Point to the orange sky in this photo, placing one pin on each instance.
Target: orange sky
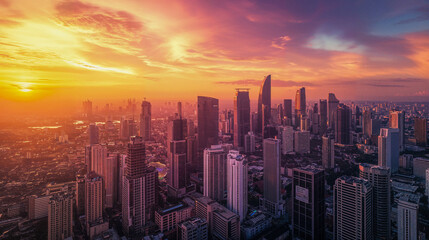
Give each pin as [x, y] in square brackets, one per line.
[52, 52]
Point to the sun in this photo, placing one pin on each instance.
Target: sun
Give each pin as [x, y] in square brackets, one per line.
[25, 90]
[24, 87]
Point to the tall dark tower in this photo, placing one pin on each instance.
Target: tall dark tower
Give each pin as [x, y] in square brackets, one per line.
[332, 108]
[241, 117]
[287, 104]
[300, 105]
[208, 122]
[323, 112]
[264, 104]
[343, 120]
[145, 120]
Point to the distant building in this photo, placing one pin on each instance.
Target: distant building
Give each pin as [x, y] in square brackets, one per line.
[328, 153]
[406, 161]
[323, 112]
[94, 204]
[287, 104]
[397, 120]
[193, 229]
[308, 203]
[80, 195]
[419, 167]
[208, 122]
[249, 143]
[60, 216]
[93, 134]
[145, 121]
[87, 108]
[388, 148]
[241, 117]
[300, 105]
[332, 108]
[287, 139]
[408, 206]
[420, 131]
[343, 121]
[353, 211]
[302, 142]
[237, 183]
[177, 172]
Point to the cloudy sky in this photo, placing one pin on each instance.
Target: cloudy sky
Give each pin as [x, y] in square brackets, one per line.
[62, 50]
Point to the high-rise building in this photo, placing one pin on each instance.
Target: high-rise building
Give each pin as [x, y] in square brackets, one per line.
[287, 139]
[237, 183]
[249, 143]
[80, 195]
[366, 123]
[87, 108]
[110, 176]
[397, 120]
[193, 229]
[408, 206]
[300, 105]
[215, 174]
[93, 134]
[302, 142]
[208, 122]
[379, 177]
[127, 128]
[287, 104]
[98, 158]
[323, 112]
[308, 207]
[353, 212]
[332, 109]
[328, 153]
[420, 131]
[94, 200]
[177, 172]
[241, 117]
[145, 121]
[38, 206]
[343, 121]
[388, 148]
[272, 176]
[60, 216]
[264, 104]
[315, 120]
[427, 182]
[139, 196]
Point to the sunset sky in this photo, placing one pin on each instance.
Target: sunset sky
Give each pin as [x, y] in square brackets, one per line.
[59, 51]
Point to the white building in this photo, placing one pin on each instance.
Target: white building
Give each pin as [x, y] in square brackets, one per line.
[388, 148]
[237, 183]
[408, 206]
[215, 186]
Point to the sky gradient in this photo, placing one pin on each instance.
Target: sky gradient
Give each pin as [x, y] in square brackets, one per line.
[55, 51]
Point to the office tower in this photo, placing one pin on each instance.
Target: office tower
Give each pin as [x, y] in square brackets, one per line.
[179, 109]
[139, 190]
[208, 122]
[38, 206]
[420, 131]
[93, 134]
[388, 148]
[191, 153]
[287, 139]
[427, 182]
[408, 206]
[332, 109]
[304, 123]
[287, 104]
[60, 216]
[315, 120]
[87, 108]
[127, 128]
[356, 116]
[167, 218]
[190, 128]
[177, 129]
[379, 177]
[88, 153]
[323, 112]
[241, 117]
[94, 200]
[80, 195]
[122, 166]
[343, 119]
[145, 121]
[353, 213]
[110, 176]
[366, 123]
[300, 105]
[302, 142]
[237, 183]
[98, 158]
[215, 184]
[177, 172]
[272, 176]
[264, 104]
[308, 207]
[328, 153]
[249, 143]
[397, 120]
[419, 166]
[254, 121]
[193, 229]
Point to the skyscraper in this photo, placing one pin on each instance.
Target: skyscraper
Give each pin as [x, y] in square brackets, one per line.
[420, 131]
[343, 120]
[139, 190]
[332, 109]
[379, 177]
[287, 139]
[87, 108]
[308, 207]
[215, 174]
[145, 121]
[249, 142]
[208, 122]
[177, 172]
[60, 216]
[272, 176]
[388, 148]
[93, 134]
[287, 104]
[366, 123]
[397, 120]
[98, 158]
[408, 206]
[323, 112]
[241, 117]
[328, 153]
[353, 213]
[80, 195]
[237, 183]
[300, 105]
[94, 199]
[264, 104]
[302, 142]
[110, 176]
